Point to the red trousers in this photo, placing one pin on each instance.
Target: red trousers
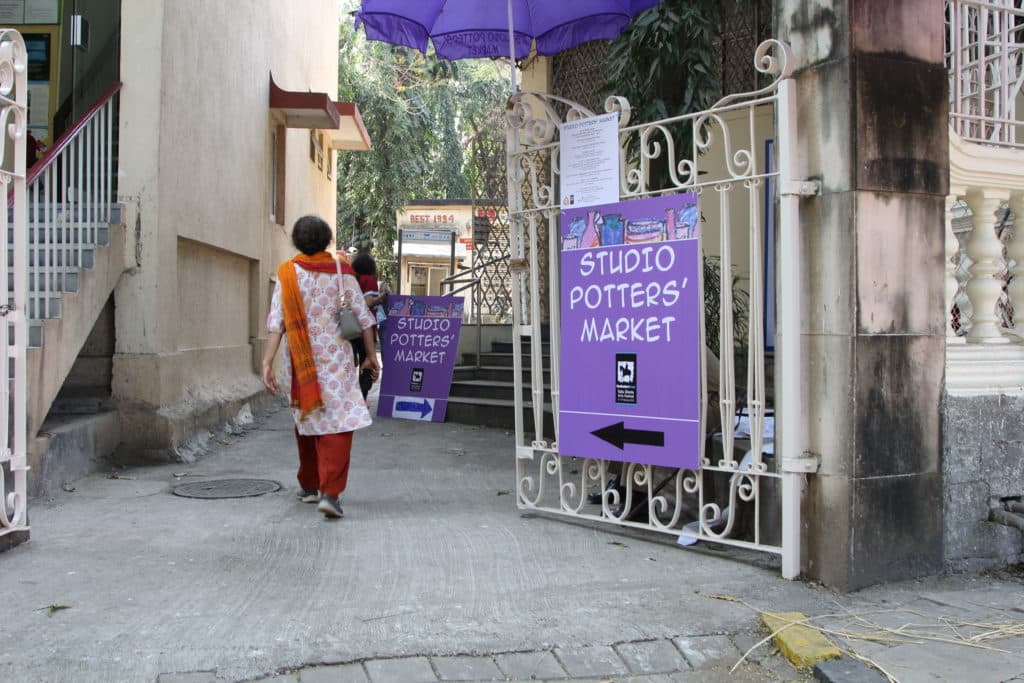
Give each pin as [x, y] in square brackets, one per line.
[323, 461]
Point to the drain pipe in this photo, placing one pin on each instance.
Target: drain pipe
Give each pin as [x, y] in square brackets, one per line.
[1011, 514]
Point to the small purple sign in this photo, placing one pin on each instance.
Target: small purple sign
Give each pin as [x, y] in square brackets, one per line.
[419, 342]
[631, 307]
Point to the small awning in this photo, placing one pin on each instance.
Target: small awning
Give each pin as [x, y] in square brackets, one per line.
[340, 121]
[432, 250]
[351, 133]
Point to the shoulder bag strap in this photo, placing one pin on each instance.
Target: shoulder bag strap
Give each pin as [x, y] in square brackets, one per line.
[342, 299]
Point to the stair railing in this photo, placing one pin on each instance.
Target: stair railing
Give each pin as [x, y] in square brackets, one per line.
[71, 192]
[476, 295]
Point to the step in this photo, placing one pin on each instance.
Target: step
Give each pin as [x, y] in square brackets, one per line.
[495, 372]
[43, 308]
[47, 308]
[482, 388]
[79, 406]
[83, 400]
[499, 359]
[35, 333]
[55, 257]
[62, 279]
[44, 210]
[488, 412]
[78, 444]
[98, 234]
[506, 347]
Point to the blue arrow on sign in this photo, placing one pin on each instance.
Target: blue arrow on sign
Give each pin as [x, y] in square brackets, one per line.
[413, 407]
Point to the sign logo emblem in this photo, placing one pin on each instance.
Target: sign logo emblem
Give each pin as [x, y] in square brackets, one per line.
[625, 378]
[416, 384]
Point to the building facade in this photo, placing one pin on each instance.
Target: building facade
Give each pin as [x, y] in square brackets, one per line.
[211, 129]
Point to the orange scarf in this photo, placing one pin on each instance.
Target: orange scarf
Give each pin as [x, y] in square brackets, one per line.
[305, 388]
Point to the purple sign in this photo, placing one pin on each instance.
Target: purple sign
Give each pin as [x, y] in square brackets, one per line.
[631, 307]
[418, 344]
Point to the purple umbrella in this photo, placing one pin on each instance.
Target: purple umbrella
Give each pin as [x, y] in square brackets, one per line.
[463, 29]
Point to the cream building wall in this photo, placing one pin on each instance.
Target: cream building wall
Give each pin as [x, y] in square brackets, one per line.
[195, 179]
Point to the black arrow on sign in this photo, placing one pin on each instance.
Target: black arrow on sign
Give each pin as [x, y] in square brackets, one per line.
[617, 435]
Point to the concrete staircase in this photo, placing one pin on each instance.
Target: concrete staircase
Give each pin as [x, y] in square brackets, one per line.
[485, 395]
[72, 273]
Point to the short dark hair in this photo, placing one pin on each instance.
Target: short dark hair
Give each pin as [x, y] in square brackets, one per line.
[364, 264]
[311, 235]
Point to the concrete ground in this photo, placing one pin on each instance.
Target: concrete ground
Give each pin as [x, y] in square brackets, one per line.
[433, 574]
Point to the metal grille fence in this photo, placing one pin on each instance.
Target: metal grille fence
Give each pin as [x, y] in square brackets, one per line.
[729, 499]
[985, 58]
[576, 75]
[495, 288]
[742, 28]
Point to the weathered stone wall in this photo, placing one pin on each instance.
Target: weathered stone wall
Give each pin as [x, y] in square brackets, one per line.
[982, 461]
[872, 114]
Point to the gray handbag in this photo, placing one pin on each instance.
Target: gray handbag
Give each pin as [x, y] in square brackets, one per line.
[345, 318]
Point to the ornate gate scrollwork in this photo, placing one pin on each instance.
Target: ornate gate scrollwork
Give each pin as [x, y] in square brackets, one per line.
[737, 496]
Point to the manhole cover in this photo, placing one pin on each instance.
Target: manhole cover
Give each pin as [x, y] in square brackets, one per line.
[226, 488]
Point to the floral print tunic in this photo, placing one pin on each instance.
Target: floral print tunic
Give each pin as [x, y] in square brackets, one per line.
[343, 407]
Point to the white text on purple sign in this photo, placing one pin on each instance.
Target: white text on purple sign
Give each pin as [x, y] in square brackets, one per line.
[619, 296]
[411, 338]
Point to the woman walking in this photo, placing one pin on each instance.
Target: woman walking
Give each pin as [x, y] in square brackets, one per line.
[326, 402]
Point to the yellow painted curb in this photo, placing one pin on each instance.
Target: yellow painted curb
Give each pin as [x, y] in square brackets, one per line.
[803, 645]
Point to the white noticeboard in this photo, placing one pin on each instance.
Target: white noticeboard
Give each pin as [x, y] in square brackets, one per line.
[589, 161]
[41, 12]
[12, 12]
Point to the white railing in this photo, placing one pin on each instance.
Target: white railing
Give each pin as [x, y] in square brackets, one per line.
[71, 195]
[706, 504]
[984, 269]
[14, 335]
[985, 57]
[984, 240]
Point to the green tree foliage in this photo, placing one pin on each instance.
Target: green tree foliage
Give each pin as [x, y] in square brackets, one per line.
[664, 64]
[484, 94]
[421, 114]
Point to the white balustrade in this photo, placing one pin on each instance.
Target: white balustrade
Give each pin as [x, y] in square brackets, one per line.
[951, 263]
[1015, 255]
[984, 51]
[986, 251]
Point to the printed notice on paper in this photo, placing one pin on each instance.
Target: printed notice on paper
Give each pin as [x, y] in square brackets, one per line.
[590, 161]
[41, 12]
[12, 12]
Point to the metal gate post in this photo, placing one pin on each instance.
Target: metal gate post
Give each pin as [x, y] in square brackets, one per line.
[516, 266]
[792, 421]
[13, 76]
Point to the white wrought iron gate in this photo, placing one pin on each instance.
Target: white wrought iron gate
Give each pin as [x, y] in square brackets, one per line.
[14, 337]
[743, 495]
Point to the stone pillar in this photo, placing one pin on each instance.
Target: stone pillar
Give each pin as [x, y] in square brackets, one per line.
[872, 113]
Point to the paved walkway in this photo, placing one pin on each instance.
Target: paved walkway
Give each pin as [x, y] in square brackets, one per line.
[433, 575]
